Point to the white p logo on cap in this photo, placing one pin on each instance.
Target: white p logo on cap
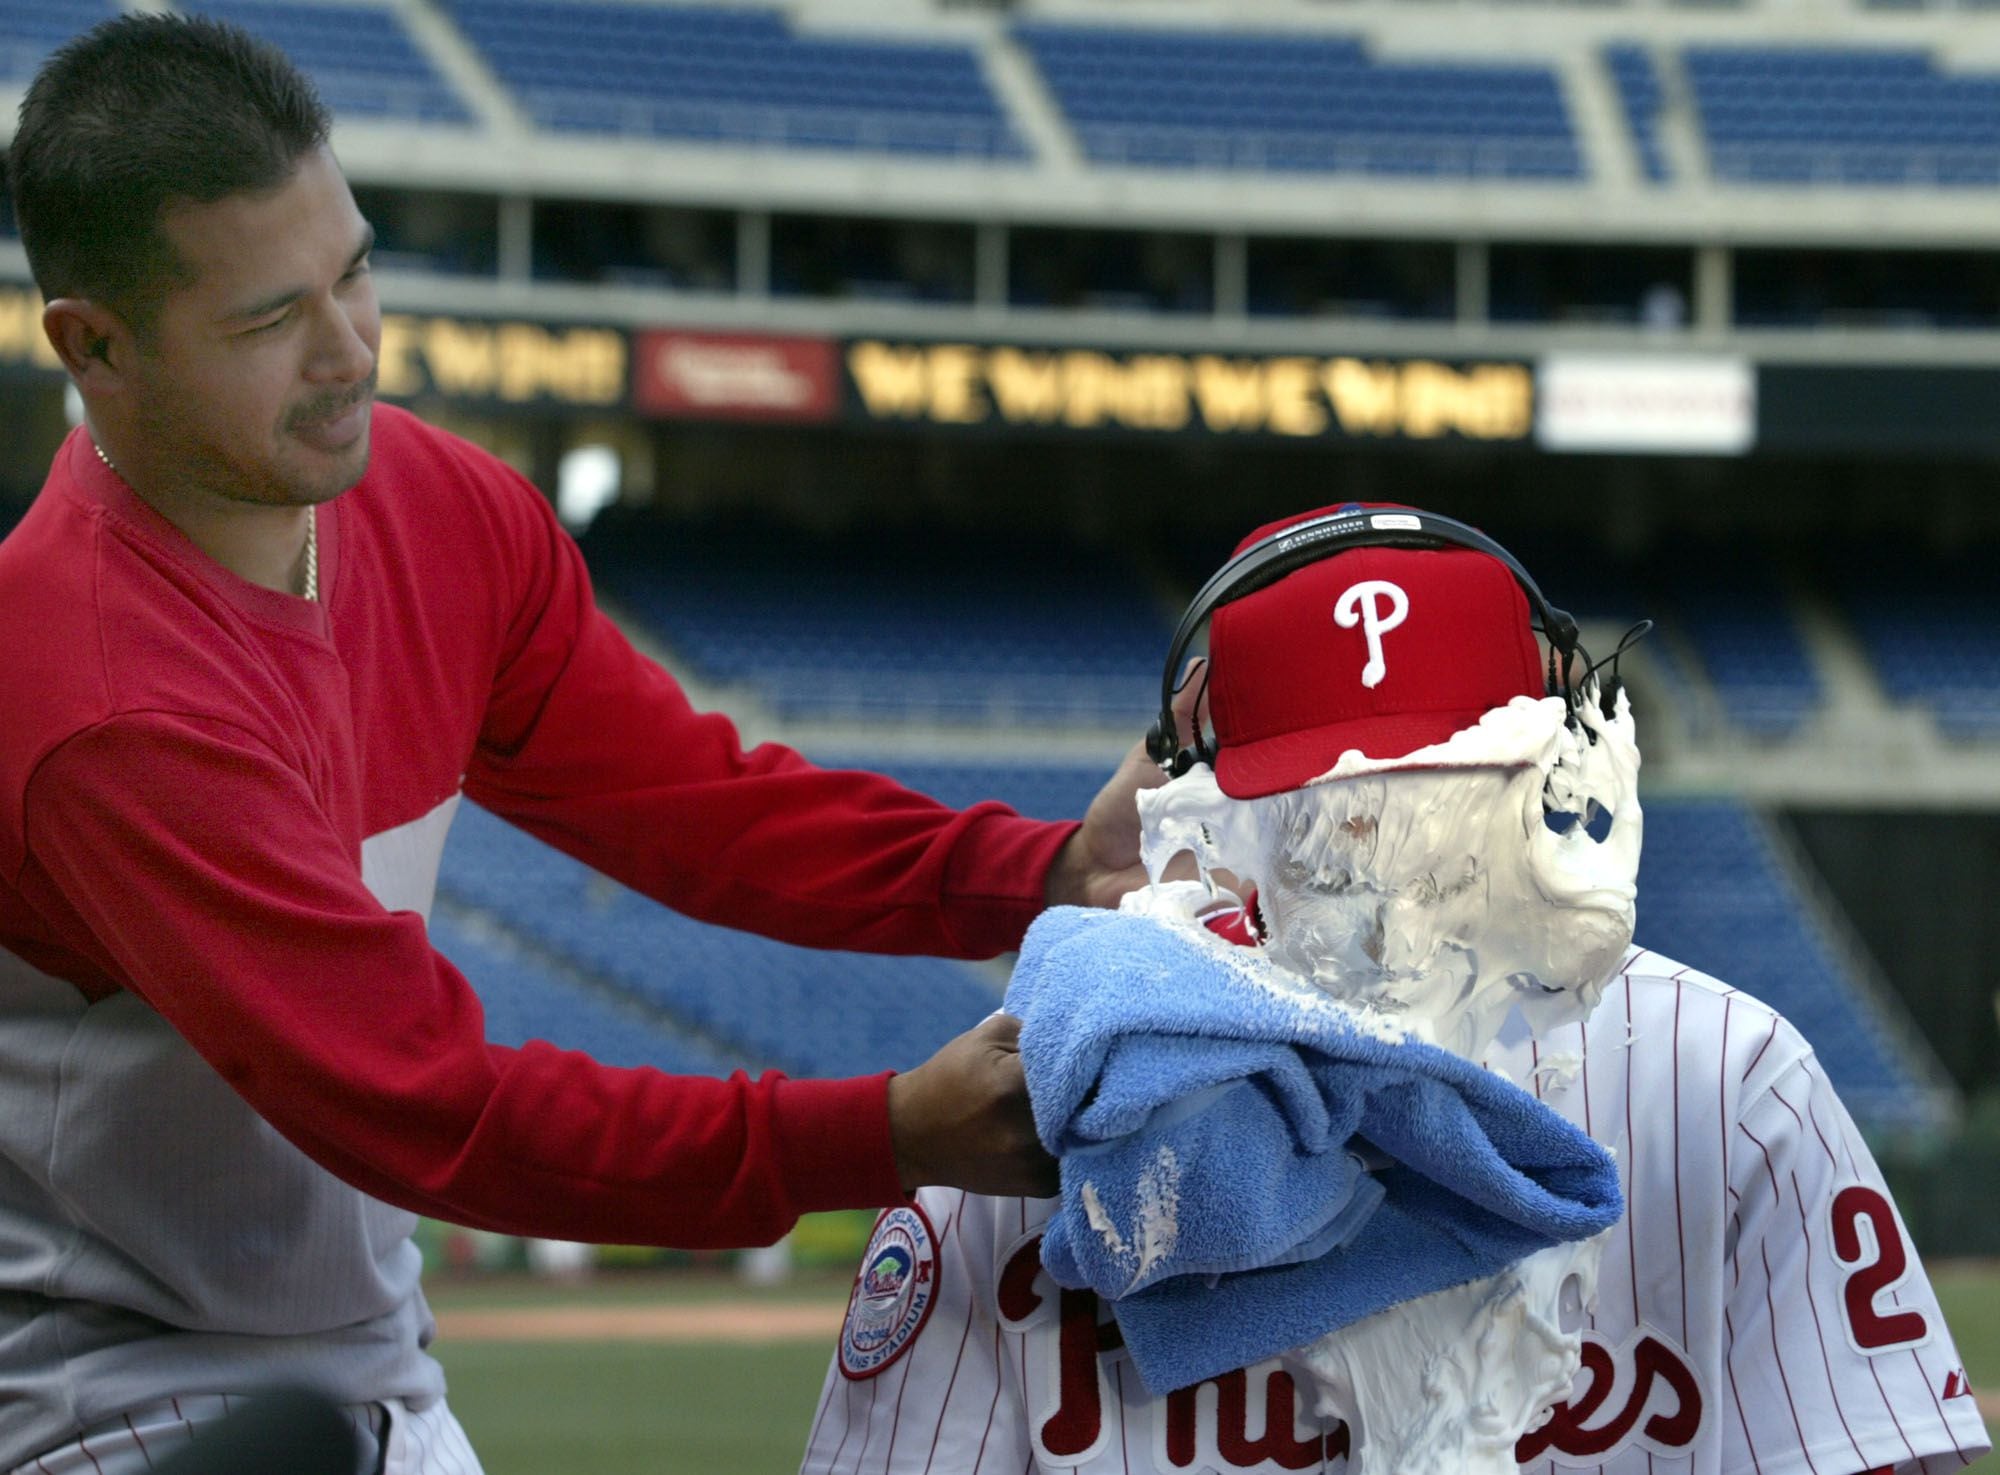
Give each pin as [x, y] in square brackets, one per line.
[1360, 605]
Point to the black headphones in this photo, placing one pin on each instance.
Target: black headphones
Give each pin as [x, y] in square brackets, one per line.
[1269, 559]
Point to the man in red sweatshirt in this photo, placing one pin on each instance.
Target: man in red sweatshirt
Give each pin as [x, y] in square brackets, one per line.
[262, 638]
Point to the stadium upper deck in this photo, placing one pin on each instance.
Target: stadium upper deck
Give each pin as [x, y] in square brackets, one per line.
[1749, 121]
[1377, 176]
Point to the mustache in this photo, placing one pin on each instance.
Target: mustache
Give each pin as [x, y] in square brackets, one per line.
[328, 407]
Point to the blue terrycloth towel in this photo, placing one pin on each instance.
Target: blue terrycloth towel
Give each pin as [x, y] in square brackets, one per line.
[1212, 1113]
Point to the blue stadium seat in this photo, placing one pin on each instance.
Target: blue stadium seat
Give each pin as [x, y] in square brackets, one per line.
[713, 74]
[1754, 657]
[1933, 643]
[765, 1003]
[359, 56]
[31, 29]
[525, 1000]
[825, 627]
[1844, 116]
[1172, 99]
[1723, 608]
[1713, 895]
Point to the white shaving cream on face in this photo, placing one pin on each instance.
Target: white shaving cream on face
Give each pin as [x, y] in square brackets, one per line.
[1430, 887]
[1425, 897]
[1445, 1384]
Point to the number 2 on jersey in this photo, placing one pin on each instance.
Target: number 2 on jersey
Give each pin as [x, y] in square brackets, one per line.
[1868, 1241]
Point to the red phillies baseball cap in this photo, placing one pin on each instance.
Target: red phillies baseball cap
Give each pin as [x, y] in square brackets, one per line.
[1384, 650]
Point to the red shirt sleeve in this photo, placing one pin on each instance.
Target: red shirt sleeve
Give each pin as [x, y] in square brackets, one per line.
[197, 867]
[596, 750]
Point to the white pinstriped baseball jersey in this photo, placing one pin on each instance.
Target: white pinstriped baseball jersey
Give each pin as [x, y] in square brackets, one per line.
[1759, 1310]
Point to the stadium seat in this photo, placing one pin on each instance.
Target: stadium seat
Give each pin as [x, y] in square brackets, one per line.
[837, 627]
[714, 74]
[1722, 607]
[744, 999]
[31, 29]
[1713, 895]
[1167, 99]
[358, 55]
[1934, 641]
[1844, 116]
[526, 999]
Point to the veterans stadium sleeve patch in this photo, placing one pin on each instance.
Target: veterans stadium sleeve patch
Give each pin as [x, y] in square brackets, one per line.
[893, 1293]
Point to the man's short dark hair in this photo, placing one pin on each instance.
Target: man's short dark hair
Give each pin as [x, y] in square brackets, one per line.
[139, 112]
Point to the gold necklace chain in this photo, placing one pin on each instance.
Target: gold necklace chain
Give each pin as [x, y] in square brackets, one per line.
[312, 532]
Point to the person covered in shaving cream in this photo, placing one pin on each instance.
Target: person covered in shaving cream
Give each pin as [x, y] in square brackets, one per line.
[1394, 817]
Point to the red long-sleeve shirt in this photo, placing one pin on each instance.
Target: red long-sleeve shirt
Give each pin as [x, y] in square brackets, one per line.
[190, 767]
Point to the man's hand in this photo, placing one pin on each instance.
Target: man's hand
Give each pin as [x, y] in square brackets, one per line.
[962, 1120]
[1100, 863]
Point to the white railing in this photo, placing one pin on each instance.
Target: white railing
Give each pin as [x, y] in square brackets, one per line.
[1775, 164]
[772, 126]
[1144, 145]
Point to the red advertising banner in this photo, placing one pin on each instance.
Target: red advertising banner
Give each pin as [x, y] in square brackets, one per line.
[735, 376]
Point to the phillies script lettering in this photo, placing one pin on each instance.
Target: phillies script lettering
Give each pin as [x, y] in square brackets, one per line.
[1661, 1410]
[1658, 1402]
[1207, 1425]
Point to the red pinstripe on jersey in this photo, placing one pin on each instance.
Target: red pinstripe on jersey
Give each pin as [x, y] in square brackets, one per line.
[1680, 1231]
[944, 1404]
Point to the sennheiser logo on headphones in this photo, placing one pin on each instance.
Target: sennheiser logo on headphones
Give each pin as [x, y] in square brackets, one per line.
[1360, 604]
[1317, 532]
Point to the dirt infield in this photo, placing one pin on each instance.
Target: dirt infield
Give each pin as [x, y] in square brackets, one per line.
[723, 1322]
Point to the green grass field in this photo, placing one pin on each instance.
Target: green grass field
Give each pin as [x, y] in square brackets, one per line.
[636, 1408]
[640, 1408]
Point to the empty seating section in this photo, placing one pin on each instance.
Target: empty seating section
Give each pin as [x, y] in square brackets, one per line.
[525, 1000]
[1638, 77]
[359, 56]
[1161, 98]
[1134, 95]
[751, 999]
[31, 29]
[1609, 596]
[1752, 653]
[735, 75]
[1935, 643]
[881, 625]
[1038, 790]
[1712, 895]
[1755, 660]
[1844, 116]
